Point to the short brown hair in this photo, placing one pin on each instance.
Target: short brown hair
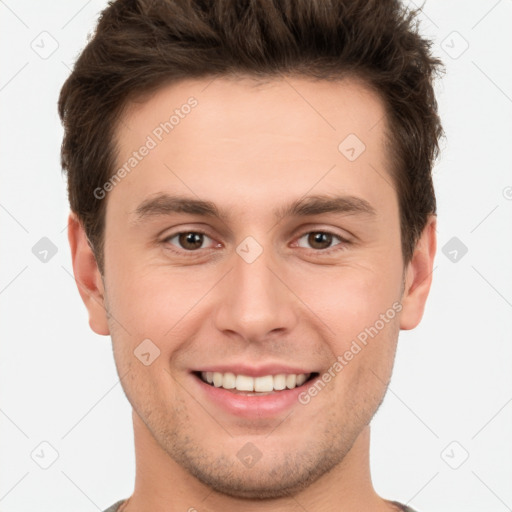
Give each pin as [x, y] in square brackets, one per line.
[141, 45]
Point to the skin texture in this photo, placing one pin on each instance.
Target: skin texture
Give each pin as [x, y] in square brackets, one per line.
[250, 148]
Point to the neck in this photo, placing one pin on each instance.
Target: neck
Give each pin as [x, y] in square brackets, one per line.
[162, 485]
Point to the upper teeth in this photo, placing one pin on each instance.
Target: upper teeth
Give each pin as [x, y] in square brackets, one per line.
[265, 383]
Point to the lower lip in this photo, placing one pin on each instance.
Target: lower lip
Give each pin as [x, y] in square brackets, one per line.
[253, 406]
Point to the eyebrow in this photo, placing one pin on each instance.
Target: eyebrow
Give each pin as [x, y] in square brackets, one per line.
[164, 204]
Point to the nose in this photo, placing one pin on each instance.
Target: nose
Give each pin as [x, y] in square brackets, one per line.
[254, 300]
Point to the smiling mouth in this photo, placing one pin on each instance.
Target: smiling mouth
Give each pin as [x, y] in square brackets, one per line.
[255, 386]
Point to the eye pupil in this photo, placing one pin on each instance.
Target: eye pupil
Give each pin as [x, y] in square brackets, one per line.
[194, 239]
[320, 238]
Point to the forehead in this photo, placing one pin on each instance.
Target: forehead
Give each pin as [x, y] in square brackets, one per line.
[249, 141]
[227, 103]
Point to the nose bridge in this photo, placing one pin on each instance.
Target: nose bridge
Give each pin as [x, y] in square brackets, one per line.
[254, 301]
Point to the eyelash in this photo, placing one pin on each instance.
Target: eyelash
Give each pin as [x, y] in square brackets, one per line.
[338, 247]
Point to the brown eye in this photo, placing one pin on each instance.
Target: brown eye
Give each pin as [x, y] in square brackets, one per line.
[188, 240]
[320, 240]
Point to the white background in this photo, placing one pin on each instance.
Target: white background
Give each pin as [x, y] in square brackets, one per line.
[453, 374]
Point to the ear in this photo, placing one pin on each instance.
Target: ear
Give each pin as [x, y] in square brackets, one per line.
[87, 276]
[418, 277]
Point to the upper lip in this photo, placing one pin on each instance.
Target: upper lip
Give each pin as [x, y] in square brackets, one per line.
[254, 371]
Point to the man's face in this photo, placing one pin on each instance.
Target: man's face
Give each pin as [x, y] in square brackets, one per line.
[254, 287]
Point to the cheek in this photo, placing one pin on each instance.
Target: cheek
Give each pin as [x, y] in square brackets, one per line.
[359, 310]
[151, 300]
[363, 363]
[348, 298]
